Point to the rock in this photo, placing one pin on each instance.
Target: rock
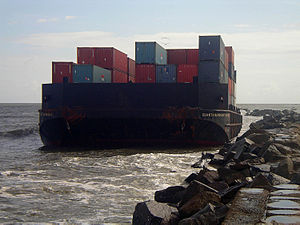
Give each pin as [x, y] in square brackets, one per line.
[219, 185]
[275, 179]
[260, 139]
[198, 202]
[296, 163]
[229, 175]
[218, 160]
[239, 165]
[285, 168]
[285, 150]
[208, 177]
[151, 212]
[228, 194]
[193, 189]
[190, 178]
[170, 195]
[207, 215]
[272, 154]
[295, 178]
[260, 181]
[255, 169]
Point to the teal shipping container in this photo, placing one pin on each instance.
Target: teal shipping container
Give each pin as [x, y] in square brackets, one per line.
[150, 53]
[211, 48]
[166, 73]
[90, 74]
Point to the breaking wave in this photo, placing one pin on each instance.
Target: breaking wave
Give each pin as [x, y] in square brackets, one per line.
[19, 132]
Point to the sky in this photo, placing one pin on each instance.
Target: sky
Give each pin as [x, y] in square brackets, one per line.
[265, 35]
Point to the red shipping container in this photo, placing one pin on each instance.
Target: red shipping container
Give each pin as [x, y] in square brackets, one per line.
[145, 73]
[119, 77]
[111, 58]
[192, 56]
[230, 53]
[176, 56]
[226, 61]
[61, 70]
[131, 67]
[185, 73]
[85, 55]
[229, 86]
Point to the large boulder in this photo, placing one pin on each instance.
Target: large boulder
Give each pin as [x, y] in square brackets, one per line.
[260, 139]
[152, 213]
[198, 202]
[271, 154]
[260, 181]
[285, 168]
[276, 179]
[170, 195]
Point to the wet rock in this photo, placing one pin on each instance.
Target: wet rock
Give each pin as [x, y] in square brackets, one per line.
[219, 185]
[190, 178]
[170, 195]
[230, 176]
[151, 212]
[208, 177]
[255, 169]
[218, 160]
[260, 181]
[260, 139]
[207, 216]
[239, 165]
[272, 154]
[193, 189]
[285, 168]
[198, 202]
[276, 179]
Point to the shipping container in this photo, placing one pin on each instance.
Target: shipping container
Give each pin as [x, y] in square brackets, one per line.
[192, 56]
[90, 74]
[145, 73]
[61, 70]
[85, 55]
[230, 53]
[119, 77]
[226, 61]
[186, 73]
[176, 56]
[211, 48]
[166, 73]
[131, 67]
[111, 58]
[212, 72]
[234, 76]
[150, 53]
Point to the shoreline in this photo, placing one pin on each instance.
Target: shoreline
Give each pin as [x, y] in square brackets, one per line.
[253, 168]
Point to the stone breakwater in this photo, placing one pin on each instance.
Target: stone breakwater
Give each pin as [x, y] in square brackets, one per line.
[253, 180]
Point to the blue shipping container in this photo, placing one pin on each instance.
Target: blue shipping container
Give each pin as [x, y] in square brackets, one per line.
[85, 73]
[231, 70]
[212, 72]
[150, 53]
[211, 48]
[166, 74]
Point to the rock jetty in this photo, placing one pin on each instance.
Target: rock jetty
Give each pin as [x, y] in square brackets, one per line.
[241, 184]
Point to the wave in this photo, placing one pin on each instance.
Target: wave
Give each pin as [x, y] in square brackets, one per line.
[20, 132]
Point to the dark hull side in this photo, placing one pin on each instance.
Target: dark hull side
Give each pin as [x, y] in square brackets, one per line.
[70, 117]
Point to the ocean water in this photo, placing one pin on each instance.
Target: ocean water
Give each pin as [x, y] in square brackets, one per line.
[93, 186]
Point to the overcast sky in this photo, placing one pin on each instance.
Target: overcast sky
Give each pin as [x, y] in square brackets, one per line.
[265, 35]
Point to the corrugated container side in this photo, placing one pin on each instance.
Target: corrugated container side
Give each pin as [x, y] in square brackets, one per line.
[211, 48]
[85, 55]
[212, 72]
[119, 77]
[131, 79]
[234, 76]
[176, 56]
[192, 56]
[61, 70]
[186, 73]
[83, 73]
[229, 86]
[111, 58]
[166, 73]
[226, 61]
[145, 73]
[150, 53]
[230, 53]
[130, 66]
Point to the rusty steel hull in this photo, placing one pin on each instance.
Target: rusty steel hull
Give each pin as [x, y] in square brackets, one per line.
[99, 119]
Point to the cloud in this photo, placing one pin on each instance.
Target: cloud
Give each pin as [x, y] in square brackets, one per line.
[70, 17]
[47, 20]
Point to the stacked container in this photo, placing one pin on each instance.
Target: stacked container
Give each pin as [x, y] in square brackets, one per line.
[108, 58]
[61, 70]
[232, 76]
[151, 64]
[212, 60]
[90, 74]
